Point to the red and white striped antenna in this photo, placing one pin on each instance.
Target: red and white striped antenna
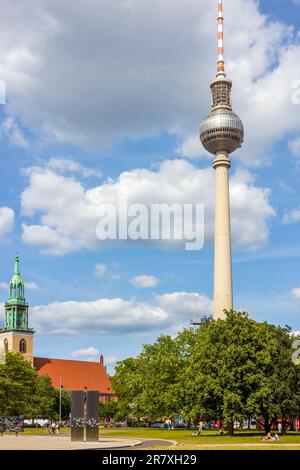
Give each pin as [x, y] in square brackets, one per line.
[221, 67]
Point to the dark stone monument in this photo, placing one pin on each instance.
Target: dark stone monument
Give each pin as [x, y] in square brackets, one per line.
[77, 416]
[85, 416]
[92, 414]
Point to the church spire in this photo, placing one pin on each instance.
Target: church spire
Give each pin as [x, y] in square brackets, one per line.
[16, 286]
[17, 265]
[16, 307]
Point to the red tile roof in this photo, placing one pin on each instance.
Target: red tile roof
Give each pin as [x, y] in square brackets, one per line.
[74, 375]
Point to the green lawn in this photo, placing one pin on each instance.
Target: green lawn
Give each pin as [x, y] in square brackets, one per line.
[37, 431]
[209, 438]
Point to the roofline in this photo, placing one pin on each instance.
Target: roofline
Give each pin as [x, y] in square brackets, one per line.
[68, 360]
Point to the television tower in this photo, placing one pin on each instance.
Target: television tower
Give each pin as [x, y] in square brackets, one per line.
[221, 133]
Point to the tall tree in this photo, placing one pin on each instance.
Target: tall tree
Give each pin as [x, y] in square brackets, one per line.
[17, 385]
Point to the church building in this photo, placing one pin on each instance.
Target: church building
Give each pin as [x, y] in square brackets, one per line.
[16, 336]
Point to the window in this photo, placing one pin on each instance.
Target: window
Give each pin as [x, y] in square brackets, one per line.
[22, 348]
[5, 345]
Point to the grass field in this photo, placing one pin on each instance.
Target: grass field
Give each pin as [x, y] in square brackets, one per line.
[209, 439]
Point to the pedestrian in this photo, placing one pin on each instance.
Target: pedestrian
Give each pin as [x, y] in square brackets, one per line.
[53, 426]
[48, 426]
[279, 427]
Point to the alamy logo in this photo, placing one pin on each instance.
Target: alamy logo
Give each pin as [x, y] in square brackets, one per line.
[296, 353]
[2, 92]
[156, 222]
[2, 356]
[296, 92]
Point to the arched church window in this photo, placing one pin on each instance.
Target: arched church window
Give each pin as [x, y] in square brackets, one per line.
[20, 290]
[22, 348]
[5, 345]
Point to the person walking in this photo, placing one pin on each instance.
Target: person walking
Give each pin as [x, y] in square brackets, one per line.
[48, 426]
[279, 427]
[53, 426]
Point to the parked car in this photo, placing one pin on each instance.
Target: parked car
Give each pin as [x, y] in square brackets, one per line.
[158, 424]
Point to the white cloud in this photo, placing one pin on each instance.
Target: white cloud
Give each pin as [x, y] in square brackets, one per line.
[87, 354]
[4, 285]
[102, 316]
[12, 132]
[296, 292]
[294, 147]
[68, 217]
[128, 82]
[100, 270]
[292, 216]
[7, 220]
[168, 313]
[144, 281]
[66, 165]
[31, 285]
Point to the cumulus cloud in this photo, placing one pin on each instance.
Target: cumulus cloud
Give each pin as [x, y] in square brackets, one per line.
[7, 220]
[168, 312]
[68, 213]
[31, 285]
[144, 281]
[87, 354]
[129, 82]
[292, 216]
[294, 147]
[67, 165]
[296, 292]
[11, 131]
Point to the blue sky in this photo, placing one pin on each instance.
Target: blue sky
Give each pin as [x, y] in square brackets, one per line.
[103, 99]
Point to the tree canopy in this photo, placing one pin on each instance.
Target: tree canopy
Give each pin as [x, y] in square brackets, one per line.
[23, 392]
[226, 369]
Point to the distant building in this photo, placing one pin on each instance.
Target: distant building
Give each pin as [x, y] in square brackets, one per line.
[16, 336]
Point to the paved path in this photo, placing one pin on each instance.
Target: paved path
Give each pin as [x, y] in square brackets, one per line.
[61, 442]
[149, 443]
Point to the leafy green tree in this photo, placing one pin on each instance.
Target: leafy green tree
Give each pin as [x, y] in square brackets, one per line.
[127, 385]
[65, 404]
[17, 385]
[227, 370]
[109, 410]
[159, 368]
[43, 402]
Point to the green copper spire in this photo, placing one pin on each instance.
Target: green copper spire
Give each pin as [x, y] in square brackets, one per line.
[16, 286]
[16, 308]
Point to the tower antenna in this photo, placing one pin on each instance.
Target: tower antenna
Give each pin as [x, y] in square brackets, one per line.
[221, 64]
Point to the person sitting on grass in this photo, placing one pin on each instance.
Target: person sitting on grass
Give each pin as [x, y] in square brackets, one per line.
[270, 437]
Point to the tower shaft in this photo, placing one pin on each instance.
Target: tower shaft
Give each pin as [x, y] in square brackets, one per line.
[223, 299]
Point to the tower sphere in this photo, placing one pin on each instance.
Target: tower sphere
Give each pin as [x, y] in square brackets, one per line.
[222, 130]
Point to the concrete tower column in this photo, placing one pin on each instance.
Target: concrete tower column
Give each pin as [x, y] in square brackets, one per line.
[223, 272]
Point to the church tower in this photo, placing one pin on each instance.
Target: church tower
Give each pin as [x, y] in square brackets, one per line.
[16, 336]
